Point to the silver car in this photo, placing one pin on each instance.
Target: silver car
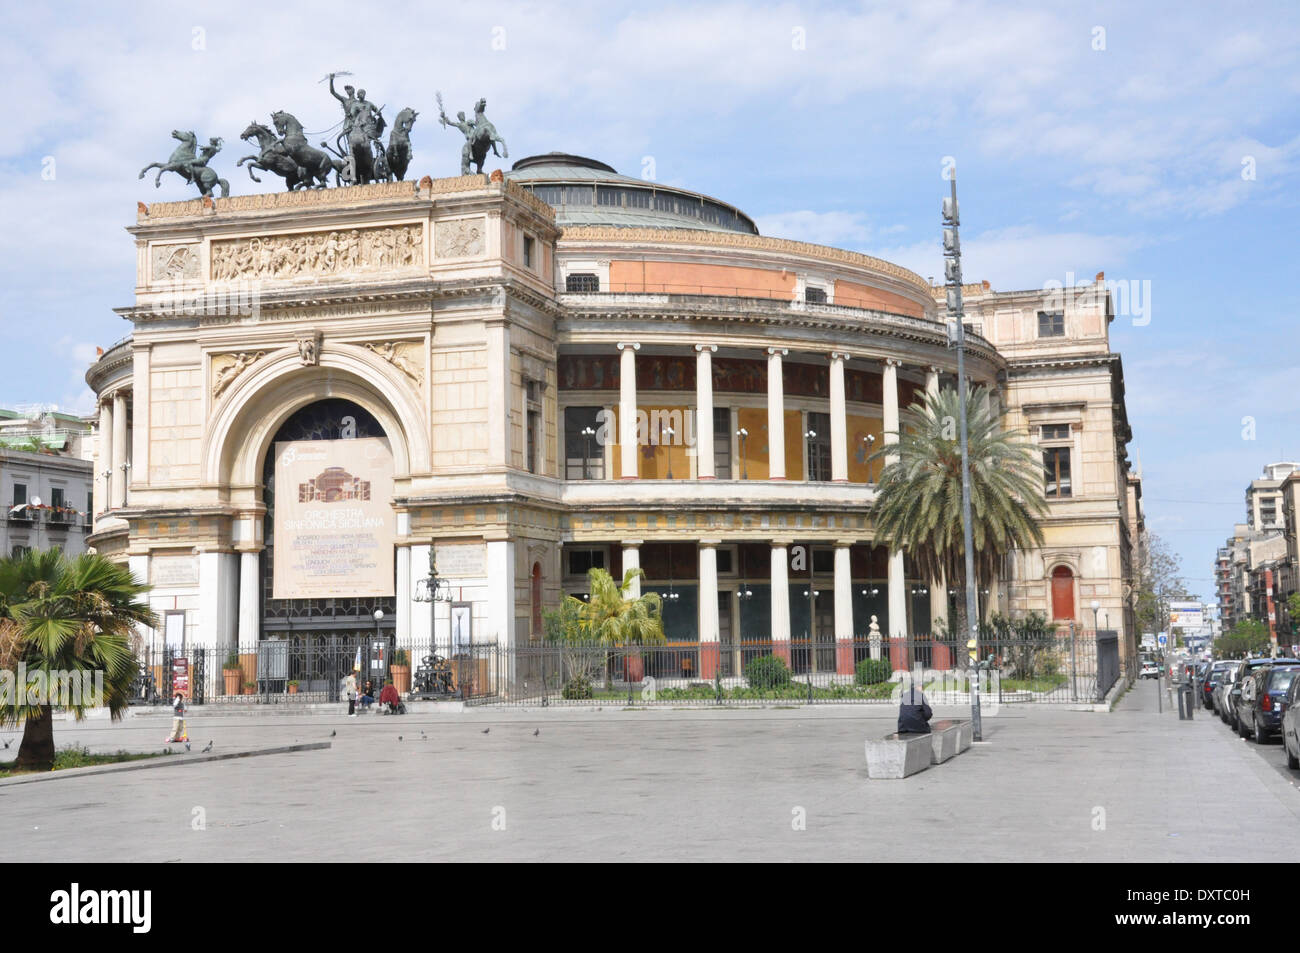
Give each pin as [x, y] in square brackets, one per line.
[1291, 726]
[1222, 702]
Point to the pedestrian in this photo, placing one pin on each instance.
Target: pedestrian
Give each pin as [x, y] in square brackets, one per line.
[914, 712]
[350, 688]
[179, 732]
[368, 695]
[390, 697]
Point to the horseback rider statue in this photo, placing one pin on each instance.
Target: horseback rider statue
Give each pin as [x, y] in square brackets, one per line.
[189, 166]
[480, 135]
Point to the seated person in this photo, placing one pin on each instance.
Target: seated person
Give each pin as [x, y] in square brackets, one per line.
[367, 695]
[914, 711]
[391, 698]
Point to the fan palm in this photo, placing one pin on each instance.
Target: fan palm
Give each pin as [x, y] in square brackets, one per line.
[918, 503]
[613, 616]
[66, 615]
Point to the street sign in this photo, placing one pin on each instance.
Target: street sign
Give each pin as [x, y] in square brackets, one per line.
[181, 676]
[1162, 639]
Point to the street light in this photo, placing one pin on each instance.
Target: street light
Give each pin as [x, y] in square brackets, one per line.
[952, 271]
[587, 434]
[670, 432]
[743, 434]
[813, 469]
[1095, 606]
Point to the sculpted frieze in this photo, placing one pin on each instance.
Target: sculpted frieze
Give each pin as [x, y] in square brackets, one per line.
[337, 252]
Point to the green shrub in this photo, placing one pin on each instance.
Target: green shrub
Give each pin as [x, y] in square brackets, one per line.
[401, 657]
[873, 671]
[577, 687]
[767, 671]
[231, 663]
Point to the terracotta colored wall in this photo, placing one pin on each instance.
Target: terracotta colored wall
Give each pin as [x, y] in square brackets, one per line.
[857, 295]
[754, 465]
[860, 471]
[690, 278]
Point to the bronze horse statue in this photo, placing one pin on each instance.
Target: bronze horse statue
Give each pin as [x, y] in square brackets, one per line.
[399, 143]
[191, 167]
[317, 164]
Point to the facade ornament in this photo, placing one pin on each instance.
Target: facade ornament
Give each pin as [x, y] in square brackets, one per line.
[873, 637]
[309, 348]
[287, 155]
[388, 351]
[318, 253]
[480, 135]
[191, 167]
[226, 375]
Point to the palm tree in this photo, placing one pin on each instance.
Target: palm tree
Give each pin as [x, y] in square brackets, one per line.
[612, 616]
[918, 503]
[66, 615]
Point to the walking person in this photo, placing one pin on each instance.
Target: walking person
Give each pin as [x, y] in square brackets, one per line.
[350, 689]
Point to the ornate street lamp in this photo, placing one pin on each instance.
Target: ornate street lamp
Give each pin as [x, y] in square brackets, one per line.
[587, 434]
[432, 590]
[743, 434]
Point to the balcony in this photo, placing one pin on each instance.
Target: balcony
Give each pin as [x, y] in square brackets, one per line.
[24, 515]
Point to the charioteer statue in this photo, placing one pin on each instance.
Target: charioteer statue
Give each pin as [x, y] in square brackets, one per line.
[480, 135]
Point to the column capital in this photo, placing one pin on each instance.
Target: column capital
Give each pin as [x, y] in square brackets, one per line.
[632, 543]
[892, 362]
[934, 369]
[845, 543]
[710, 543]
[778, 351]
[622, 345]
[711, 348]
[782, 542]
[841, 356]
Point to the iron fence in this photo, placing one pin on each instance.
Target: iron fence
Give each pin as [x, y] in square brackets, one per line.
[1069, 665]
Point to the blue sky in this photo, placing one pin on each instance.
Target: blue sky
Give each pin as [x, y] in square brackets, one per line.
[827, 122]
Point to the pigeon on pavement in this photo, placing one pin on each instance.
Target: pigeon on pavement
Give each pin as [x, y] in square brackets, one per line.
[486, 730]
[334, 734]
[208, 748]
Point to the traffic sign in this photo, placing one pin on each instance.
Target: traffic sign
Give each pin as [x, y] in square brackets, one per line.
[1162, 639]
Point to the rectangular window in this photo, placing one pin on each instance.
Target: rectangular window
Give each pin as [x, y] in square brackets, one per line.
[725, 562]
[609, 195]
[528, 251]
[1055, 431]
[722, 443]
[578, 195]
[534, 441]
[581, 283]
[584, 457]
[818, 439]
[56, 497]
[20, 551]
[1056, 472]
[582, 560]
[1051, 324]
[20, 494]
[814, 295]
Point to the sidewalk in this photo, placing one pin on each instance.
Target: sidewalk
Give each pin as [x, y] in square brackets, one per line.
[609, 784]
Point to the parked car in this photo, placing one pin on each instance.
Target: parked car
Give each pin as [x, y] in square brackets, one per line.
[1149, 670]
[1221, 691]
[1262, 691]
[1291, 725]
[1232, 696]
[1210, 680]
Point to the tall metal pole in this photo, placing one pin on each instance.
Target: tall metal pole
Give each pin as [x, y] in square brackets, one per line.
[952, 218]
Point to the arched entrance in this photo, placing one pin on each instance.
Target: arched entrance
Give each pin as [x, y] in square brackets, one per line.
[1062, 594]
[319, 636]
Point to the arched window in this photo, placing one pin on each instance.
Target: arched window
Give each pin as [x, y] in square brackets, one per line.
[537, 602]
[1062, 593]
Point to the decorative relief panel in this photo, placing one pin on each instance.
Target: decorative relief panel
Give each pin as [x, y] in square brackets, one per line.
[173, 262]
[227, 367]
[319, 253]
[461, 238]
[406, 356]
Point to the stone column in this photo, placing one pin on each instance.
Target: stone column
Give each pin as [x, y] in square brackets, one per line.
[627, 430]
[118, 493]
[406, 605]
[781, 598]
[897, 580]
[632, 560]
[500, 610]
[104, 444]
[704, 411]
[839, 420]
[843, 608]
[775, 415]
[250, 602]
[708, 607]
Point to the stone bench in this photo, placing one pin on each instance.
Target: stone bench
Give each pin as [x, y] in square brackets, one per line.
[898, 755]
[949, 738]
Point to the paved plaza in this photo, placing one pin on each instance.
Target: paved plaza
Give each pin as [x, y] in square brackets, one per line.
[554, 784]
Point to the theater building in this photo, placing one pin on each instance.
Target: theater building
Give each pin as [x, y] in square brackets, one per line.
[560, 368]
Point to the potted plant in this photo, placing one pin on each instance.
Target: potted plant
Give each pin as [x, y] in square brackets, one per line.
[293, 687]
[231, 673]
[250, 688]
[400, 670]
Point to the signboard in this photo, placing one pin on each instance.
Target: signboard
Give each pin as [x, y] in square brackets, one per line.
[334, 522]
[181, 676]
[1162, 639]
[1186, 615]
